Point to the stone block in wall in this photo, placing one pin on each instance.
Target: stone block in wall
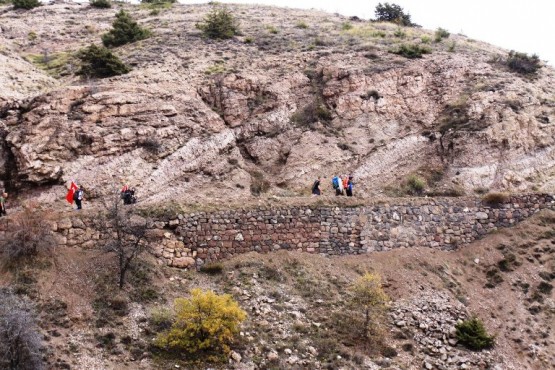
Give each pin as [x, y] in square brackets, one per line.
[64, 224]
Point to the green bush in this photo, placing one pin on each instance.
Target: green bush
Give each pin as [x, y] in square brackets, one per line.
[102, 4]
[473, 335]
[302, 25]
[411, 51]
[219, 24]
[416, 184]
[441, 34]
[5, 2]
[204, 325]
[124, 31]
[393, 13]
[98, 61]
[26, 4]
[522, 63]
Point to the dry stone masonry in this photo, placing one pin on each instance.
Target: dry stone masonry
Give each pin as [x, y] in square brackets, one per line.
[190, 240]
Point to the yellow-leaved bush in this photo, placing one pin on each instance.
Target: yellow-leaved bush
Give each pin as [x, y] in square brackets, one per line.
[369, 297]
[204, 326]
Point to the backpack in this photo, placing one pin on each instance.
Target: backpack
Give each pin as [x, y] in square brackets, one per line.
[335, 182]
[315, 185]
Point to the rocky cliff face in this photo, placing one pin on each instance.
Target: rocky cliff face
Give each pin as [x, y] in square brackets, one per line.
[266, 111]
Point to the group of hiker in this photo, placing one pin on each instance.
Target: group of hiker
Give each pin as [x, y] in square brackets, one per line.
[342, 184]
[76, 194]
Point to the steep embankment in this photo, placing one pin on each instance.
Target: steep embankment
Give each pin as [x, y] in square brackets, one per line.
[297, 304]
[300, 94]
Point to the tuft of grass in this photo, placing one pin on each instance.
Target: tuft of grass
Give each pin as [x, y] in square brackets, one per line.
[273, 30]
[345, 26]
[301, 25]
[217, 68]
[441, 34]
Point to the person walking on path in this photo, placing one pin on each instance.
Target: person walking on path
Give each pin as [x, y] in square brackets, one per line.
[3, 197]
[350, 184]
[78, 197]
[316, 187]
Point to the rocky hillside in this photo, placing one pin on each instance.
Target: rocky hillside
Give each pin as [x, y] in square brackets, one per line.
[299, 94]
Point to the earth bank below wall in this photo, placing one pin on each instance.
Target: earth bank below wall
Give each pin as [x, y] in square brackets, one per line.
[194, 239]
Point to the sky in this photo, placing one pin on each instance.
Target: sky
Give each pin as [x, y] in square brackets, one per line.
[524, 26]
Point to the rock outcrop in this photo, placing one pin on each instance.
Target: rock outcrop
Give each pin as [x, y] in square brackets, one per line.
[218, 119]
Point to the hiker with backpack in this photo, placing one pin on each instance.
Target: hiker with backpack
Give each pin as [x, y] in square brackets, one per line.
[349, 188]
[78, 196]
[3, 197]
[337, 184]
[316, 187]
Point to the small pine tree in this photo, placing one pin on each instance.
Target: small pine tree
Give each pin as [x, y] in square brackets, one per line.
[393, 13]
[219, 24]
[124, 31]
[204, 325]
[25, 4]
[369, 297]
[98, 61]
[102, 4]
[473, 335]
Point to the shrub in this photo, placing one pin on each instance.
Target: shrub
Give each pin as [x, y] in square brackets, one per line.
[219, 24]
[301, 25]
[312, 113]
[472, 334]
[522, 63]
[25, 4]
[212, 268]
[393, 13]
[369, 297]
[98, 61]
[124, 31]
[411, 51]
[345, 26]
[20, 341]
[425, 39]
[495, 199]
[158, 1]
[441, 34]
[416, 184]
[204, 326]
[29, 234]
[259, 184]
[102, 4]
[400, 33]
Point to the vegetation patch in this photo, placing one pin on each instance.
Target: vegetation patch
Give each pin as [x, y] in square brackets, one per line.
[523, 63]
[219, 24]
[441, 34]
[101, 4]
[411, 51]
[212, 268]
[25, 4]
[495, 199]
[124, 30]
[472, 334]
[55, 64]
[393, 13]
[204, 326]
[98, 61]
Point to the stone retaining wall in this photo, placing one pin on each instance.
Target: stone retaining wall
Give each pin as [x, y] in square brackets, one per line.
[193, 239]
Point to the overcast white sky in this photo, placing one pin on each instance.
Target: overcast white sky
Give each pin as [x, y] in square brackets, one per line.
[523, 25]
